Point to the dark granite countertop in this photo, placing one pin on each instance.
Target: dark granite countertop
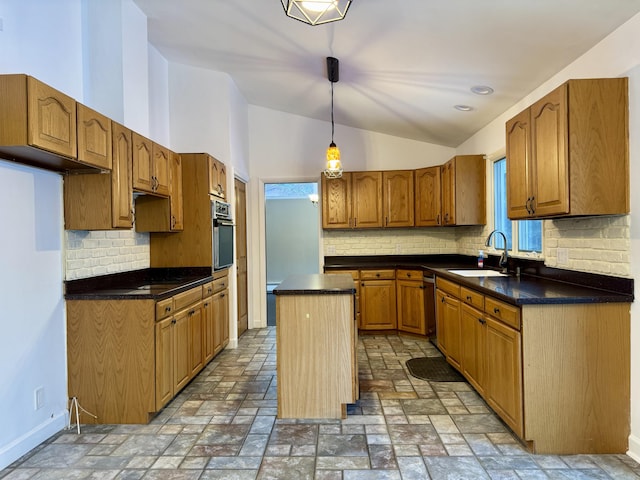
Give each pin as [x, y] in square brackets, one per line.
[150, 283]
[316, 284]
[537, 283]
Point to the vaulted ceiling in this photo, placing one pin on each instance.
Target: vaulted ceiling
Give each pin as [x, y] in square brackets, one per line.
[404, 64]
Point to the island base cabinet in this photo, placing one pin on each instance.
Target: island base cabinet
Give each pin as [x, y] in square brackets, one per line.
[316, 364]
[577, 377]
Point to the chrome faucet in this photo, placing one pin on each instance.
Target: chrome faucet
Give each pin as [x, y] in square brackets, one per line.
[505, 256]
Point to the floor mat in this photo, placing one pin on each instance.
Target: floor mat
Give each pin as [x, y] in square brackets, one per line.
[433, 369]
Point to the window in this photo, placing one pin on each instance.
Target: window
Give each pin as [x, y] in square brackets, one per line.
[525, 234]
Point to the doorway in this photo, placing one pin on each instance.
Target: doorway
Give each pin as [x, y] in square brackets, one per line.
[292, 234]
[241, 255]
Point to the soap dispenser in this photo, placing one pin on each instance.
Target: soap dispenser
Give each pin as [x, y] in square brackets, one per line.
[480, 259]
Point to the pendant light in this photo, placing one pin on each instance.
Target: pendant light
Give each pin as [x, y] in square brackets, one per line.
[316, 12]
[334, 166]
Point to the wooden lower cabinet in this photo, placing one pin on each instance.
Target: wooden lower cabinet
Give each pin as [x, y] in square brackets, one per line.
[503, 388]
[378, 303]
[128, 358]
[557, 374]
[473, 328]
[410, 298]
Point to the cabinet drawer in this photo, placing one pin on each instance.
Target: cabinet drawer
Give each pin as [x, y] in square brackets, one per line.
[409, 275]
[185, 299]
[207, 289]
[449, 287]
[377, 274]
[220, 284]
[472, 298]
[503, 311]
[164, 308]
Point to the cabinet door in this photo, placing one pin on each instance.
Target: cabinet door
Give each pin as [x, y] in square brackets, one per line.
[518, 166]
[94, 138]
[367, 199]
[160, 169]
[196, 339]
[52, 119]
[378, 305]
[217, 177]
[410, 309]
[121, 180]
[181, 356]
[208, 328]
[447, 176]
[503, 386]
[473, 337]
[549, 150]
[220, 320]
[449, 317]
[336, 201]
[164, 362]
[176, 199]
[398, 198]
[427, 194]
[142, 160]
[222, 179]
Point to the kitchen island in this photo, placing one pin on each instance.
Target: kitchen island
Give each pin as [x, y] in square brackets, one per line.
[316, 338]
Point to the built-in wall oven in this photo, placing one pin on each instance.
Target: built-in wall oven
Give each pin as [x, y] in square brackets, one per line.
[222, 235]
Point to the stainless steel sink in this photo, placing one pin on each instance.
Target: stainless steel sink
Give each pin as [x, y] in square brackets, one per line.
[478, 273]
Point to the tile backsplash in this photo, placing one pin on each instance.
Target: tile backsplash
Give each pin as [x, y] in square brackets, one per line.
[89, 254]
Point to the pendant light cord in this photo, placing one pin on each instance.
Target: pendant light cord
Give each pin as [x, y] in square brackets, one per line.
[332, 126]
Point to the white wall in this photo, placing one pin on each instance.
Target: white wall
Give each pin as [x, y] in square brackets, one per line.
[616, 55]
[42, 39]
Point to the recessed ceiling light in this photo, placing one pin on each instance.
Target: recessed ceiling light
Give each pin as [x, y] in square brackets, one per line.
[463, 108]
[482, 90]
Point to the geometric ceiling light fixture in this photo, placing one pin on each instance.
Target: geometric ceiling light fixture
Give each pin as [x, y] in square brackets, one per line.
[334, 165]
[316, 12]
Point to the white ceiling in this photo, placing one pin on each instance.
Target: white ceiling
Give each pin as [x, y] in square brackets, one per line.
[404, 64]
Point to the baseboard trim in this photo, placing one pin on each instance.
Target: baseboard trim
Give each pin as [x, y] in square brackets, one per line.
[25, 443]
[634, 448]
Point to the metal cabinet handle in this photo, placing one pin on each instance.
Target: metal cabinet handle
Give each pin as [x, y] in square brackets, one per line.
[496, 310]
[167, 309]
[482, 321]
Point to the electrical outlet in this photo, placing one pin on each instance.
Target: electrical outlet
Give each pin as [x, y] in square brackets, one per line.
[563, 256]
[38, 395]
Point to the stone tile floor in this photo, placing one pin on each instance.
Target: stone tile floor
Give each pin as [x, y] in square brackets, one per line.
[224, 426]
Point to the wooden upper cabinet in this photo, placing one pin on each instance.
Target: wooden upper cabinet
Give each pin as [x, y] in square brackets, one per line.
[163, 214]
[94, 138]
[518, 159]
[464, 190]
[121, 178]
[398, 198]
[52, 119]
[142, 159]
[352, 201]
[176, 201]
[427, 197]
[217, 178]
[567, 154]
[151, 165]
[160, 169]
[336, 201]
[367, 199]
[102, 202]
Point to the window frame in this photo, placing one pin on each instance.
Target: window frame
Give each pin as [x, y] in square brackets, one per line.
[513, 239]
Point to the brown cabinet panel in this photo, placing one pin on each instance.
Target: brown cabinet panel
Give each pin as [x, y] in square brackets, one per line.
[428, 197]
[568, 153]
[378, 305]
[367, 199]
[411, 306]
[473, 336]
[464, 190]
[142, 161]
[398, 197]
[94, 138]
[504, 382]
[102, 202]
[217, 178]
[336, 201]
